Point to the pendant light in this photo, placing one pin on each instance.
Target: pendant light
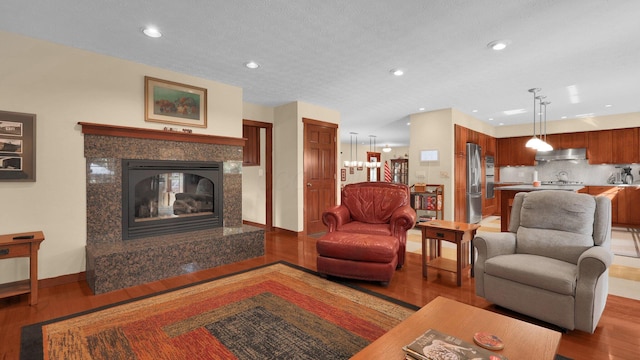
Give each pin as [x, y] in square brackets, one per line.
[350, 162]
[544, 145]
[534, 141]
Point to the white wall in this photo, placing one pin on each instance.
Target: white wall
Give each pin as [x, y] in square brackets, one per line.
[64, 86]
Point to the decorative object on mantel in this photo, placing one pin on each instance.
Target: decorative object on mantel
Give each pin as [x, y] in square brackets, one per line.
[174, 103]
[17, 146]
[188, 131]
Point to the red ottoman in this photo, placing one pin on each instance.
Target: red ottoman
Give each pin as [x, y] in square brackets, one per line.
[358, 256]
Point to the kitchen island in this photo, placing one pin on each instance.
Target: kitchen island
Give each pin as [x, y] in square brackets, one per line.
[507, 193]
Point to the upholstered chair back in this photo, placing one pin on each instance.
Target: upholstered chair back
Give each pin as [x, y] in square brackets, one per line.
[560, 224]
[374, 202]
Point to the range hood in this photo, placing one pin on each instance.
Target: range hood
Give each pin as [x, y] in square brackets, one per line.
[562, 154]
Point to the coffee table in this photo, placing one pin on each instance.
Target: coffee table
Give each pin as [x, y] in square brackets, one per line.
[522, 340]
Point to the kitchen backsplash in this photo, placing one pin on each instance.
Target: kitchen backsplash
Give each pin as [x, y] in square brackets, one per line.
[576, 170]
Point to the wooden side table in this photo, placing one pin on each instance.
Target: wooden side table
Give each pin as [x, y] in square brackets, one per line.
[458, 233]
[22, 245]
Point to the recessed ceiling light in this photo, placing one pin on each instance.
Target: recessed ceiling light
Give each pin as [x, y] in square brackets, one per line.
[421, 109]
[397, 72]
[498, 44]
[564, 117]
[474, 111]
[152, 32]
[501, 124]
[252, 65]
[408, 123]
[608, 105]
[490, 119]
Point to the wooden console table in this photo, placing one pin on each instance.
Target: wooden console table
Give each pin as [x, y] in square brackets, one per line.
[22, 245]
[458, 233]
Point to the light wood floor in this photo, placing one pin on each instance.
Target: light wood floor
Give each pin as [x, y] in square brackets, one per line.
[617, 336]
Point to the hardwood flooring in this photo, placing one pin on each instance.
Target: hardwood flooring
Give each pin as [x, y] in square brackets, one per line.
[617, 335]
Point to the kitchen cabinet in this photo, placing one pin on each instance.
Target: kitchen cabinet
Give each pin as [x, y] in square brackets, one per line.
[599, 150]
[612, 193]
[625, 146]
[568, 140]
[628, 200]
[461, 138]
[513, 152]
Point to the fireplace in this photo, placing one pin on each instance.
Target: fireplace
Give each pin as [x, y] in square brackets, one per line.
[164, 164]
[164, 197]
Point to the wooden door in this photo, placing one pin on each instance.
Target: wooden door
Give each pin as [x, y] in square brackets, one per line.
[319, 172]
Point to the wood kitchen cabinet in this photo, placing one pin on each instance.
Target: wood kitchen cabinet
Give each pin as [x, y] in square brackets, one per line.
[568, 140]
[513, 152]
[625, 146]
[599, 150]
[628, 200]
[612, 193]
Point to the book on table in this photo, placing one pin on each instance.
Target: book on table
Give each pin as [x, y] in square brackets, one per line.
[434, 345]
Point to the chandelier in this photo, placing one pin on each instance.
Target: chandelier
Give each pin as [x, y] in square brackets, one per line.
[372, 164]
[351, 162]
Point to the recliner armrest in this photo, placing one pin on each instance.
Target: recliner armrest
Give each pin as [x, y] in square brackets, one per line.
[494, 244]
[593, 262]
[335, 217]
[402, 219]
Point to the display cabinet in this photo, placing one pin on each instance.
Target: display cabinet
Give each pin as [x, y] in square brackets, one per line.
[400, 171]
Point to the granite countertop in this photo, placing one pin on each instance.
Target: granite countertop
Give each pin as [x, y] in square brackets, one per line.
[529, 187]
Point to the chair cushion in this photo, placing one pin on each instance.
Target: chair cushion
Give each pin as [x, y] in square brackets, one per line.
[365, 228]
[358, 247]
[557, 224]
[537, 271]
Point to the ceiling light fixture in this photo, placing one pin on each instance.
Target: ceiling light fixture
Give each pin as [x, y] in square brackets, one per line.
[498, 45]
[152, 32]
[386, 149]
[397, 72]
[252, 65]
[536, 143]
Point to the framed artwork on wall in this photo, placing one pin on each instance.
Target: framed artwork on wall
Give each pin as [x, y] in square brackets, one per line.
[17, 146]
[170, 102]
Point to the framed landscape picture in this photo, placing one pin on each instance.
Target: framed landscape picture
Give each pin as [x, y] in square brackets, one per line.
[17, 146]
[174, 103]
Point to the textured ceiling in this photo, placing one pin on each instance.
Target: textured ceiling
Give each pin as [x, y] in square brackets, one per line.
[337, 54]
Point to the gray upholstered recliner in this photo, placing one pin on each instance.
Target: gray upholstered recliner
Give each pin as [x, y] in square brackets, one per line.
[553, 263]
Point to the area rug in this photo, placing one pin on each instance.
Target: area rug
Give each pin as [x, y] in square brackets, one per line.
[278, 311]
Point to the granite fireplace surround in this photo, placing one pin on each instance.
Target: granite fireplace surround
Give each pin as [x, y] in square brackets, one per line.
[113, 263]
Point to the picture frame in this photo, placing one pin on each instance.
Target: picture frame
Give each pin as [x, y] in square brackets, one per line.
[17, 146]
[170, 102]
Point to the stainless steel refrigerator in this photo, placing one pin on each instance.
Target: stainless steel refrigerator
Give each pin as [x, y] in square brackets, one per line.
[474, 183]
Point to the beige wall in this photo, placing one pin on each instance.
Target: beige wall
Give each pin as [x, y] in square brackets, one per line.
[64, 86]
[618, 121]
[288, 182]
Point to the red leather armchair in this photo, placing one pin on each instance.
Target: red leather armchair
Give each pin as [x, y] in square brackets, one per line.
[374, 208]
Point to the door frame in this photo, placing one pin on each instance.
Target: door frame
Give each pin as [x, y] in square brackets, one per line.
[268, 168]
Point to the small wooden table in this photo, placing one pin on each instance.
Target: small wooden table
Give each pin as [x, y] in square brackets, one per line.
[13, 248]
[522, 340]
[458, 233]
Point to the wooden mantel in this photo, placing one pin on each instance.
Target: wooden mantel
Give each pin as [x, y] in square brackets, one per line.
[140, 133]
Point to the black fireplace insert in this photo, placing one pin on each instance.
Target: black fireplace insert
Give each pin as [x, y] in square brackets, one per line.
[165, 197]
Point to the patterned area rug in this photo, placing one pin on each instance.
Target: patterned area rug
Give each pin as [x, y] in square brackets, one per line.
[278, 311]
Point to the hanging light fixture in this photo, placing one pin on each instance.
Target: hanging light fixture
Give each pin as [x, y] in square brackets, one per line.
[534, 141]
[386, 149]
[544, 145]
[372, 164]
[350, 162]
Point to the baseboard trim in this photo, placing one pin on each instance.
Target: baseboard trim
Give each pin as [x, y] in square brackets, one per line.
[62, 280]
